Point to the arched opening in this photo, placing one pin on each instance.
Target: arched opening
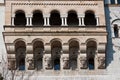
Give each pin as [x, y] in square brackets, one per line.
[37, 18]
[72, 18]
[38, 49]
[73, 54]
[116, 31]
[56, 48]
[20, 18]
[89, 18]
[91, 50]
[20, 49]
[55, 18]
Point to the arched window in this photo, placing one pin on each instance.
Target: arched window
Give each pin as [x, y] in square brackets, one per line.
[89, 18]
[116, 31]
[91, 50]
[55, 18]
[20, 18]
[56, 48]
[37, 18]
[38, 49]
[20, 49]
[72, 18]
[73, 54]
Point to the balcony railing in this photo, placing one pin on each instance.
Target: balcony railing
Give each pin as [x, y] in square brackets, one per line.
[55, 28]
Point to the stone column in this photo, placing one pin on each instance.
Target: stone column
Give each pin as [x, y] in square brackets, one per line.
[46, 19]
[112, 30]
[29, 19]
[12, 19]
[82, 20]
[97, 20]
[64, 19]
[80, 23]
[116, 2]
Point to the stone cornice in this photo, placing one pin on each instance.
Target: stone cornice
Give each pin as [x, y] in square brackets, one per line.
[53, 34]
[50, 3]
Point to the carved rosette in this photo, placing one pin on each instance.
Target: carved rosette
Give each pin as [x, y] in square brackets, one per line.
[65, 63]
[48, 62]
[30, 62]
[83, 62]
[101, 62]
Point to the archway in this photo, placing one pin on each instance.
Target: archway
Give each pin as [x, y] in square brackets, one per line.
[20, 18]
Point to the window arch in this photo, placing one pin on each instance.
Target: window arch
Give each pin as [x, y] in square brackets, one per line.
[116, 30]
[56, 48]
[72, 18]
[73, 54]
[90, 18]
[38, 49]
[91, 52]
[20, 18]
[20, 49]
[37, 18]
[55, 18]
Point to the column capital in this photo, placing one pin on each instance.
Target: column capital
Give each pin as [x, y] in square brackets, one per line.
[13, 15]
[63, 15]
[46, 15]
[29, 15]
[81, 15]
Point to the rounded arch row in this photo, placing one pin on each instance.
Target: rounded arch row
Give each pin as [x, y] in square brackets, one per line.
[55, 18]
[54, 58]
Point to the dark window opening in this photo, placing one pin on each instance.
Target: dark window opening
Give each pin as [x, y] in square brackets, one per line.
[22, 64]
[118, 1]
[37, 18]
[57, 64]
[89, 18]
[55, 18]
[20, 19]
[38, 64]
[112, 1]
[91, 63]
[73, 64]
[116, 31]
[72, 18]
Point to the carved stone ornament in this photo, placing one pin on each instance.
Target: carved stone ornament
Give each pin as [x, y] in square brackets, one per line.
[48, 63]
[65, 63]
[101, 62]
[12, 64]
[83, 61]
[30, 63]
